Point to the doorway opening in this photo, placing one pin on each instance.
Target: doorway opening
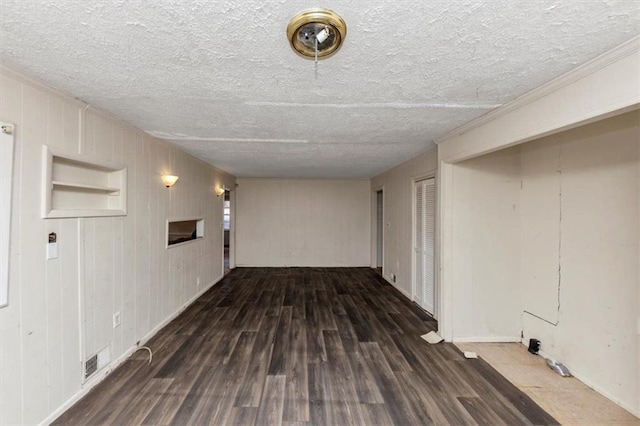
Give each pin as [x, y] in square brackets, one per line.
[226, 225]
[379, 231]
[424, 240]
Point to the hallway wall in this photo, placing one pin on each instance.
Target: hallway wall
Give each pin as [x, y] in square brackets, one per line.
[548, 244]
[581, 252]
[398, 215]
[60, 310]
[302, 222]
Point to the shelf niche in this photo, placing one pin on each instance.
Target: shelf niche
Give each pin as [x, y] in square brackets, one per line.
[78, 186]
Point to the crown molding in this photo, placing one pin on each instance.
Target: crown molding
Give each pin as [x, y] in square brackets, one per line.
[614, 55]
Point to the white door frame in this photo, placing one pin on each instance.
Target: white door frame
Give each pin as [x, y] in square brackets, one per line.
[436, 275]
[232, 230]
[374, 226]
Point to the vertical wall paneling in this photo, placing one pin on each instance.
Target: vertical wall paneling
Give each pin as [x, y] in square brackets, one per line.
[301, 222]
[130, 141]
[118, 257]
[33, 245]
[61, 310]
[70, 307]
[141, 216]
[55, 379]
[11, 384]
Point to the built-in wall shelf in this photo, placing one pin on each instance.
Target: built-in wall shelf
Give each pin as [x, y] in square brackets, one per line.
[80, 186]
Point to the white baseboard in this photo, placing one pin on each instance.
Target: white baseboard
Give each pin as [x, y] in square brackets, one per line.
[101, 375]
[584, 379]
[486, 339]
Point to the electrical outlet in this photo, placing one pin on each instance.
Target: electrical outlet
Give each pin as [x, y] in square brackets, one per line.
[198, 282]
[116, 319]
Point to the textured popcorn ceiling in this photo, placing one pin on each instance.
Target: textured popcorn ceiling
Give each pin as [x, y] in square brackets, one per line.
[219, 79]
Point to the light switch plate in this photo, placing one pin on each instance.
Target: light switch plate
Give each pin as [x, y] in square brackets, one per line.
[52, 251]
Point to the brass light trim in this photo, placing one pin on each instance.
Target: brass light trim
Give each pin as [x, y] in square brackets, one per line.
[304, 27]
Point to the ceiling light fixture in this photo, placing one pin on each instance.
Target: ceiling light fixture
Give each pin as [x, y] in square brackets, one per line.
[316, 33]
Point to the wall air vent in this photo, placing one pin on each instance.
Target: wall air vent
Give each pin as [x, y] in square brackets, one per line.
[91, 366]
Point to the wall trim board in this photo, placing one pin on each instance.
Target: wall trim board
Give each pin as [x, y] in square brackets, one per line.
[584, 379]
[610, 89]
[487, 339]
[445, 245]
[7, 142]
[102, 375]
[617, 53]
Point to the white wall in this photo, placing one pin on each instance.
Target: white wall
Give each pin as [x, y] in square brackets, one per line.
[398, 230]
[487, 294]
[580, 257]
[104, 264]
[302, 222]
[602, 88]
[547, 241]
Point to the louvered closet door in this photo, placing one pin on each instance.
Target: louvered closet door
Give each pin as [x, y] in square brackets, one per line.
[424, 243]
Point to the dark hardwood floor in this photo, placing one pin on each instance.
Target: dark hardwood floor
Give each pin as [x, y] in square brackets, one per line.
[301, 346]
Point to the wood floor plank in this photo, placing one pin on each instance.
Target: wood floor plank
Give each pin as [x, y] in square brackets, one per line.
[303, 346]
[480, 411]
[272, 402]
[138, 408]
[296, 403]
[394, 398]
[376, 414]
[515, 399]
[250, 391]
[216, 402]
[432, 405]
[281, 343]
[242, 416]
[344, 399]
[319, 394]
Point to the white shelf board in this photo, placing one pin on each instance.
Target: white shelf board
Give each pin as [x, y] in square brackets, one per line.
[84, 186]
[60, 213]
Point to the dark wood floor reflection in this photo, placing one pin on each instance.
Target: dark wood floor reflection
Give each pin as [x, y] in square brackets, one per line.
[310, 346]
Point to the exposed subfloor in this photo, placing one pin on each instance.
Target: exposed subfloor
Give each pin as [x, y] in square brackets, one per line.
[306, 345]
[568, 400]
